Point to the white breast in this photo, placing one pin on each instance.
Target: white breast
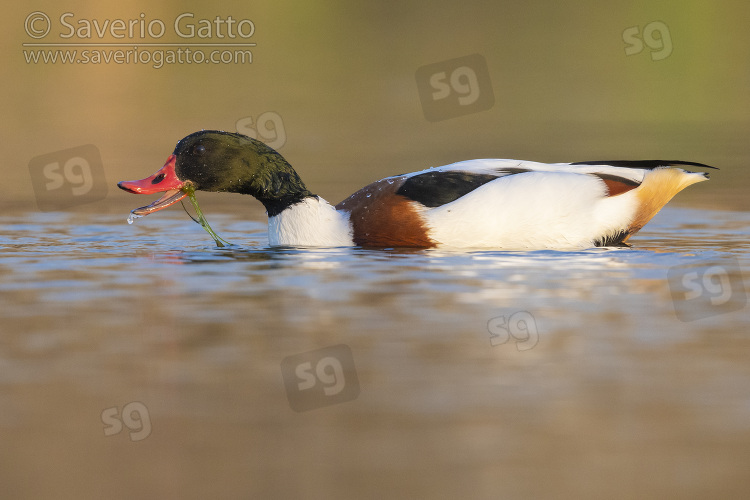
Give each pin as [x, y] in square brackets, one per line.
[311, 222]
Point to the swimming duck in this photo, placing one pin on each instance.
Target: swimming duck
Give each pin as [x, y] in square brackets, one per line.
[502, 204]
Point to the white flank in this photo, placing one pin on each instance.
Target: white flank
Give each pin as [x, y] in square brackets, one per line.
[533, 210]
[313, 222]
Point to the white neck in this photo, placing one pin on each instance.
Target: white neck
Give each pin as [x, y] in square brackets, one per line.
[311, 222]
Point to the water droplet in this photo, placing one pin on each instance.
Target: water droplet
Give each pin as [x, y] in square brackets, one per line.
[132, 217]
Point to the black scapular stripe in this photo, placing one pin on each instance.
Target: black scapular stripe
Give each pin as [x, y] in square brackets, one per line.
[433, 189]
[643, 164]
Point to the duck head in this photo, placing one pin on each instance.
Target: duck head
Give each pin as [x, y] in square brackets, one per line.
[212, 160]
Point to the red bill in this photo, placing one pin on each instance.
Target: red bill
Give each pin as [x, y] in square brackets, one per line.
[165, 181]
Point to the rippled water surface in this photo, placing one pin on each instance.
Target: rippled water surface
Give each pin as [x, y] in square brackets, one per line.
[143, 362]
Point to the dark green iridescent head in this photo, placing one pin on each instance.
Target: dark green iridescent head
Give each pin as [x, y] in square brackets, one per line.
[228, 162]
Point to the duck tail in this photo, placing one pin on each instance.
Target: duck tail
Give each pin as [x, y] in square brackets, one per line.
[658, 187]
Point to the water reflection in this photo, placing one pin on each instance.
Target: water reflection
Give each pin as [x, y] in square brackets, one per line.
[98, 315]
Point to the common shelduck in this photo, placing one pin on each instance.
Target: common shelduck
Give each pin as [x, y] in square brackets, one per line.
[502, 204]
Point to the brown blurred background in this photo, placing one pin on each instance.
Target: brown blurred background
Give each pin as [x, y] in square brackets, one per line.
[341, 78]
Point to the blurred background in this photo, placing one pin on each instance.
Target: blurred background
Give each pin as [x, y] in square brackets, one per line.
[571, 81]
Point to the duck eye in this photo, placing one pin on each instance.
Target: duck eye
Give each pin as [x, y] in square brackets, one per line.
[199, 149]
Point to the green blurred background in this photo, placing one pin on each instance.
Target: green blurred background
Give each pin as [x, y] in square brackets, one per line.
[341, 78]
